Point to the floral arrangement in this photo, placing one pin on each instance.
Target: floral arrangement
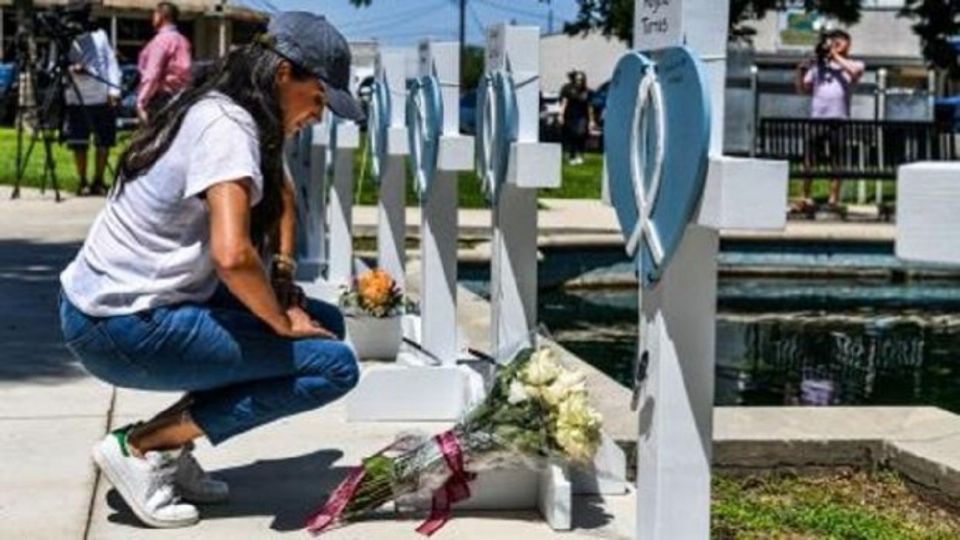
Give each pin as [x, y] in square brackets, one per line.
[536, 409]
[374, 293]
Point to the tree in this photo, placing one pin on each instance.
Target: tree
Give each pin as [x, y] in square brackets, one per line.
[615, 17]
[936, 22]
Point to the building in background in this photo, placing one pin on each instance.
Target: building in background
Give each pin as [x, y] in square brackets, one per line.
[593, 54]
[211, 25]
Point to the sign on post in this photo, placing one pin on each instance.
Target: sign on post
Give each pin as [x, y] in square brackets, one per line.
[658, 24]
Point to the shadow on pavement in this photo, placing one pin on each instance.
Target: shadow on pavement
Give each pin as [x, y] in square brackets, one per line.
[288, 489]
[291, 489]
[31, 346]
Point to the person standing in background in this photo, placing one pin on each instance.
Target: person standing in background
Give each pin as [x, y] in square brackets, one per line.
[830, 80]
[576, 115]
[164, 63]
[91, 99]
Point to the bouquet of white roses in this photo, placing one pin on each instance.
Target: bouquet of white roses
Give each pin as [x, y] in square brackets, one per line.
[536, 409]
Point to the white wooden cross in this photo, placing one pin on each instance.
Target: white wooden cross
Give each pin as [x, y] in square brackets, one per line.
[343, 139]
[429, 384]
[512, 171]
[678, 317]
[439, 223]
[391, 73]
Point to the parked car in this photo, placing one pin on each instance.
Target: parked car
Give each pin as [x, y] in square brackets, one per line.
[551, 129]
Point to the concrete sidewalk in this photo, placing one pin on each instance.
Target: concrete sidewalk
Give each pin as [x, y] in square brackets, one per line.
[52, 412]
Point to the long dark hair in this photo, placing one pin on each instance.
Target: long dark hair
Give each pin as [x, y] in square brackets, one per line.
[248, 77]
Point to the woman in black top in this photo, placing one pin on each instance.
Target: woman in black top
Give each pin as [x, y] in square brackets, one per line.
[576, 115]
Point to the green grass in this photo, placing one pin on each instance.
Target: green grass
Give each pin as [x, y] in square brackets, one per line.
[868, 506]
[582, 182]
[579, 182]
[820, 190]
[65, 168]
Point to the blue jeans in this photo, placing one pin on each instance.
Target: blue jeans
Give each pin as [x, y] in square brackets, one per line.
[238, 372]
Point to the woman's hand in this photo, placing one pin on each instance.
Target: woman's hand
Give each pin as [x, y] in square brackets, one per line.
[302, 326]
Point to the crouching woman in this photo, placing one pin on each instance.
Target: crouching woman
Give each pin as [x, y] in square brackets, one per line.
[170, 291]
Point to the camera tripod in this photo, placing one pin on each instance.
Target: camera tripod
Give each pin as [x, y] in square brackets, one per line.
[42, 108]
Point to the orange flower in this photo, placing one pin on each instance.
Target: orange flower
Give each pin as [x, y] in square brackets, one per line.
[377, 291]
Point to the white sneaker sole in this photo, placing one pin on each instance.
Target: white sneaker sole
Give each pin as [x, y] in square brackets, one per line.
[116, 479]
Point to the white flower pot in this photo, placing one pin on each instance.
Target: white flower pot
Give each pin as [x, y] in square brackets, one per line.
[375, 338]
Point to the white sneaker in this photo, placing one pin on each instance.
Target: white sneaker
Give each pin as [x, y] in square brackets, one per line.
[194, 484]
[146, 484]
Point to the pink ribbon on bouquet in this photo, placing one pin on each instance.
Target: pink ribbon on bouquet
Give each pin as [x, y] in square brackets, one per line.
[331, 511]
[455, 489]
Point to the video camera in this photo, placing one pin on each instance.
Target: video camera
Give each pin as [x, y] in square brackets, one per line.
[63, 23]
[823, 47]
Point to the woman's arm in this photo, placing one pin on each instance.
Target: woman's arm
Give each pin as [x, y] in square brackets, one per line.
[238, 264]
[853, 68]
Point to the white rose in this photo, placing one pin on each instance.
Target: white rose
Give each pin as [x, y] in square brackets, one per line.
[517, 393]
[567, 383]
[576, 444]
[542, 368]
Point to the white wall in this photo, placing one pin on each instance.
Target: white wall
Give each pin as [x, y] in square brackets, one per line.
[594, 54]
[879, 33]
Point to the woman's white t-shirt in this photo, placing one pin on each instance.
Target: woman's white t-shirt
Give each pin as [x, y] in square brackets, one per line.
[150, 245]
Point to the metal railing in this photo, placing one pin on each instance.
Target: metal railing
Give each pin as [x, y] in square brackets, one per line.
[853, 149]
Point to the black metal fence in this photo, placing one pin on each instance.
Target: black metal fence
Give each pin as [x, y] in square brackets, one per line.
[854, 149]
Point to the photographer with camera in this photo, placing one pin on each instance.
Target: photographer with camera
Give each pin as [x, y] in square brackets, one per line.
[91, 98]
[829, 79]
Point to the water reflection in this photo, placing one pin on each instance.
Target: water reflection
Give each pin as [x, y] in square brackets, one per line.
[786, 358]
[858, 358]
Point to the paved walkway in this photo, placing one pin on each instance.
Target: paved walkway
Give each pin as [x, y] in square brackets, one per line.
[51, 413]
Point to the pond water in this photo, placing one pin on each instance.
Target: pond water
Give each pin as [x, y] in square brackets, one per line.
[870, 356]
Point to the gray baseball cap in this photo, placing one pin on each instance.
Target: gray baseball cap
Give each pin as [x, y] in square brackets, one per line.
[312, 43]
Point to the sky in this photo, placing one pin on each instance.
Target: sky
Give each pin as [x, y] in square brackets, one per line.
[406, 22]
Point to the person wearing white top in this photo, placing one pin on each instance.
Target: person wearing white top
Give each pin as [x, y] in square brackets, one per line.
[170, 291]
[92, 95]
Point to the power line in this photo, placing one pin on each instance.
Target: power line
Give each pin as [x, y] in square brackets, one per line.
[476, 19]
[425, 33]
[514, 10]
[407, 15]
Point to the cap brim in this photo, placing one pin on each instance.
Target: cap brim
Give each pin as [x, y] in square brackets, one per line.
[342, 104]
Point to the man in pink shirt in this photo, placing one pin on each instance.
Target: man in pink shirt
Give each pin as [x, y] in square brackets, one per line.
[164, 63]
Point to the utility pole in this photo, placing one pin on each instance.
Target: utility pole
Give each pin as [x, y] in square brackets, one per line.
[463, 39]
[550, 17]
